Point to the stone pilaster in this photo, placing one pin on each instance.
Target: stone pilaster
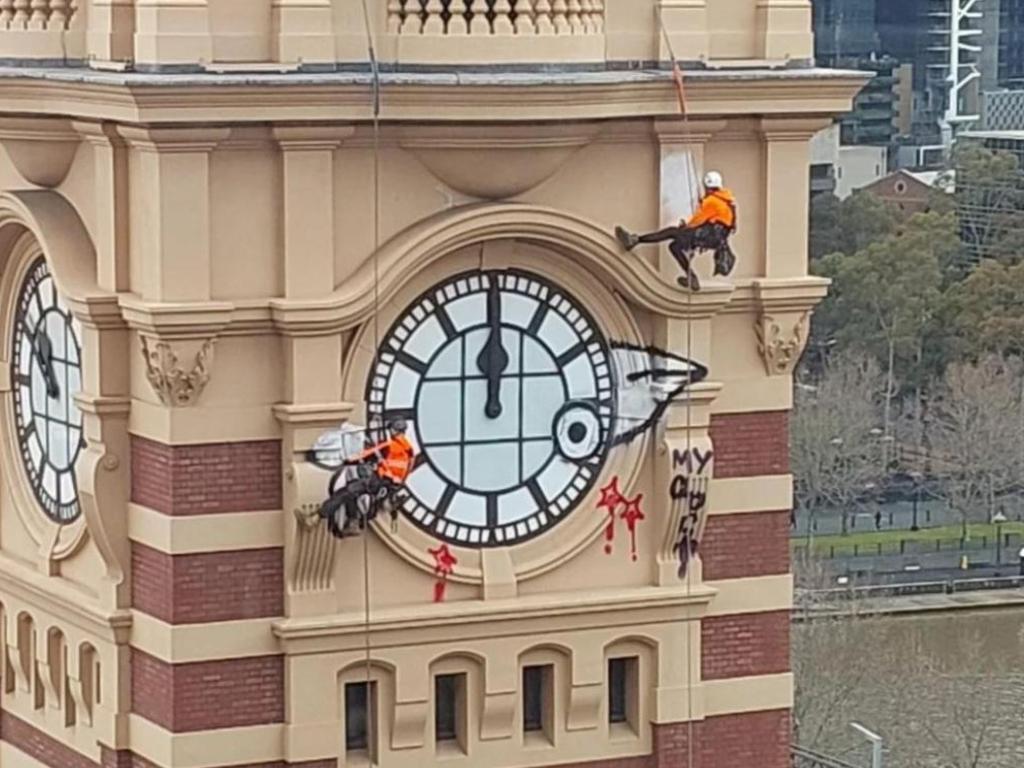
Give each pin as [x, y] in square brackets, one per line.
[171, 210]
[787, 153]
[784, 29]
[173, 33]
[686, 24]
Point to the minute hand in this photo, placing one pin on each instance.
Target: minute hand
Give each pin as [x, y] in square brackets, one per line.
[493, 359]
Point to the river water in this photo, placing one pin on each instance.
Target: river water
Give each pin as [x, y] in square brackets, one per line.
[943, 690]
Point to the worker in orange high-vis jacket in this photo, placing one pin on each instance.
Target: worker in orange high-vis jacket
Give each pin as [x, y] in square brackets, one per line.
[708, 230]
[394, 459]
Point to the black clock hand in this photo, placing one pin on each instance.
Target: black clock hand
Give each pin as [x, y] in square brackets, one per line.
[44, 354]
[493, 359]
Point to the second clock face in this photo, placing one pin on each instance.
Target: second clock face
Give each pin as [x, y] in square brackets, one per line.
[46, 374]
[506, 382]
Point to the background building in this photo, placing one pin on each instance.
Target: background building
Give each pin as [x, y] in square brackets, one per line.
[212, 250]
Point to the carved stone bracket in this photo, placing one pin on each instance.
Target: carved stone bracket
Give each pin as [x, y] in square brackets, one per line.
[172, 384]
[783, 320]
[781, 341]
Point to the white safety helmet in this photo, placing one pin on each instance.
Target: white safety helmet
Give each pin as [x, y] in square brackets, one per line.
[713, 180]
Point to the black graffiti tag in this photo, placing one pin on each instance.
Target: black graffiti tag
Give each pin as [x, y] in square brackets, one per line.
[689, 489]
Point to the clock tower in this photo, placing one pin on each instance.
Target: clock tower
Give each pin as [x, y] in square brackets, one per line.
[223, 235]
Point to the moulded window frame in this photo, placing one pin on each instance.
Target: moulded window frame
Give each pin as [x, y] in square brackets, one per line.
[555, 696]
[380, 699]
[640, 705]
[629, 728]
[469, 704]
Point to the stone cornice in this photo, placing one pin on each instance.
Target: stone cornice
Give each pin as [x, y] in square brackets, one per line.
[176, 320]
[466, 96]
[410, 625]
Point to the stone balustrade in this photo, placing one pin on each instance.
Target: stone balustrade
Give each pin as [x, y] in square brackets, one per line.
[496, 31]
[240, 34]
[522, 18]
[39, 15]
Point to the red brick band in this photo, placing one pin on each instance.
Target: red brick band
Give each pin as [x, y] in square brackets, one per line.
[746, 545]
[206, 479]
[743, 740]
[206, 695]
[746, 740]
[208, 586]
[744, 645]
[751, 444]
[39, 745]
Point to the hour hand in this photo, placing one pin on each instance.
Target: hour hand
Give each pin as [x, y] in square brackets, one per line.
[493, 359]
[44, 354]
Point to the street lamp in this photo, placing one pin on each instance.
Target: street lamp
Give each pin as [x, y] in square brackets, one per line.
[917, 477]
[999, 518]
[1020, 556]
[876, 743]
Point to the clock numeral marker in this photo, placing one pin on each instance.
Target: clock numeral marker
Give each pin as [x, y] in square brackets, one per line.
[571, 354]
[441, 509]
[24, 380]
[412, 362]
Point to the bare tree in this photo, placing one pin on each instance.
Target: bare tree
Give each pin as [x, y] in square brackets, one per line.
[976, 435]
[834, 455]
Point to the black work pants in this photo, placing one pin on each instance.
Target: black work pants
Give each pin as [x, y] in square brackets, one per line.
[684, 242]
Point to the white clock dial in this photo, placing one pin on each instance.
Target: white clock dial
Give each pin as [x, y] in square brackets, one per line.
[46, 374]
[506, 382]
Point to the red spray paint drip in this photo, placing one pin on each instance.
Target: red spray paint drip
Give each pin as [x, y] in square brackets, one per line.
[444, 564]
[632, 514]
[611, 498]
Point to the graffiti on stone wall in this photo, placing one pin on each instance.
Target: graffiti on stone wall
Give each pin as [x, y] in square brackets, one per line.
[444, 565]
[620, 508]
[691, 471]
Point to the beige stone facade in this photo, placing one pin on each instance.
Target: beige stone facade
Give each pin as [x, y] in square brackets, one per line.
[196, 193]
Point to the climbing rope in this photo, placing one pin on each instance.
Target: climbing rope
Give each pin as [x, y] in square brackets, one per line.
[694, 191]
[375, 75]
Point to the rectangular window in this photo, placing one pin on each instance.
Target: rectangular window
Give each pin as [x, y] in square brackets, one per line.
[617, 690]
[450, 709]
[360, 705]
[538, 695]
[623, 691]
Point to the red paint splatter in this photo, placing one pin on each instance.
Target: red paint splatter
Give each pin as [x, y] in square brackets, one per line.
[444, 564]
[632, 514]
[612, 499]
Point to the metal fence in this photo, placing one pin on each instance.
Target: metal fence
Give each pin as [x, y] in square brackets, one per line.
[1010, 544]
[808, 758]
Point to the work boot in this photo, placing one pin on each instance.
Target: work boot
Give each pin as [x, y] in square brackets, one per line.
[627, 239]
[689, 281]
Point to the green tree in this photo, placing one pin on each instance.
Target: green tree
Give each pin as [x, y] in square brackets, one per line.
[987, 310]
[885, 301]
[849, 225]
[990, 204]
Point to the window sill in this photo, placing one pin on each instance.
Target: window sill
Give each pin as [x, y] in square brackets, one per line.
[536, 740]
[620, 732]
[358, 758]
[449, 750]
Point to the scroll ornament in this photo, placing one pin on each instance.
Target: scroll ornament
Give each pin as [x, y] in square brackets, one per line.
[172, 384]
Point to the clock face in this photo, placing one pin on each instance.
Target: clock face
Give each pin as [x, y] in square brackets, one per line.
[506, 383]
[46, 373]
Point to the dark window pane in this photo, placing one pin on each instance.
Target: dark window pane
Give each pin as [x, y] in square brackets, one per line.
[533, 698]
[357, 731]
[618, 690]
[446, 698]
